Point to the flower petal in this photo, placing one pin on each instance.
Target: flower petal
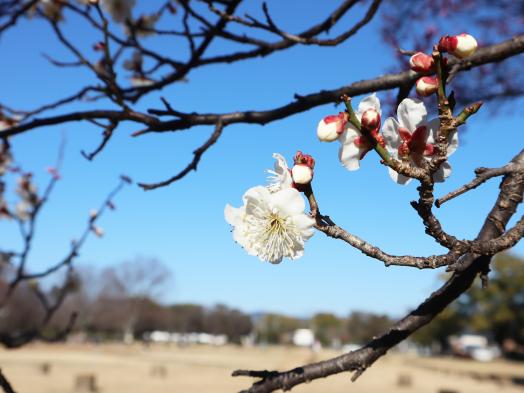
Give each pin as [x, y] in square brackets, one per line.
[349, 155]
[288, 201]
[391, 135]
[398, 178]
[280, 178]
[234, 215]
[442, 173]
[433, 126]
[305, 224]
[411, 113]
[370, 102]
[453, 142]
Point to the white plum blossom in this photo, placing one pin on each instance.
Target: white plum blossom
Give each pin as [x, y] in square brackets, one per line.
[120, 10]
[280, 178]
[413, 138]
[271, 225]
[354, 144]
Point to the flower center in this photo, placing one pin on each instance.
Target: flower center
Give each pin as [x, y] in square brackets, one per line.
[414, 144]
[274, 235]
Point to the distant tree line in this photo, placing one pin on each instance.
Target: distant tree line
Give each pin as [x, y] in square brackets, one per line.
[123, 300]
[120, 301]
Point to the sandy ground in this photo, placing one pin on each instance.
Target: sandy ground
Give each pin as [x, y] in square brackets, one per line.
[136, 369]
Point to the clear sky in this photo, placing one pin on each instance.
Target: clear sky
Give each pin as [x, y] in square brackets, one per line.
[183, 224]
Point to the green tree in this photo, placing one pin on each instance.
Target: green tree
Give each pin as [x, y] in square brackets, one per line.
[327, 327]
[496, 311]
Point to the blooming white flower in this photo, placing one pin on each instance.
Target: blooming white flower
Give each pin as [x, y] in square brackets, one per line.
[120, 10]
[354, 145]
[271, 225]
[413, 138]
[280, 178]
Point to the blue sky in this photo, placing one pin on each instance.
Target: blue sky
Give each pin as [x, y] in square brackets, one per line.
[183, 224]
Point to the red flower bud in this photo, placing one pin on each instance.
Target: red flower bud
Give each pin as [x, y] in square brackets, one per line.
[421, 62]
[427, 85]
[370, 120]
[461, 46]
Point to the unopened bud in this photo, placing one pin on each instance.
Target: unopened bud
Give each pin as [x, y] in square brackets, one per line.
[421, 62]
[461, 46]
[302, 171]
[93, 213]
[99, 232]
[301, 174]
[53, 172]
[330, 127]
[427, 85]
[370, 120]
[99, 46]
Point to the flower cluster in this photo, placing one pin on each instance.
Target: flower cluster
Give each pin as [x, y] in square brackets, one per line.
[354, 145]
[410, 138]
[271, 224]
[460, 46]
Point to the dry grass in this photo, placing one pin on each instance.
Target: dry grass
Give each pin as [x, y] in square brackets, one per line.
[131, 369]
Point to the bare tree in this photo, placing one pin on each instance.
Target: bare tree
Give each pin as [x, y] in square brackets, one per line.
[127, 291]
[22, 290]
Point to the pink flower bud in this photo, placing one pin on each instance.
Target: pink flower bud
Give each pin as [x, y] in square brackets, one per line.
[99, 232]
[302, 171]
[99, 46]
[54, 173]
[427, 85]
[461, 46]
[421, 62]
[370, 120]
[330, 127]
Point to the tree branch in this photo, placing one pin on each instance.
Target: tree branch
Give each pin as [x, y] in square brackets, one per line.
[511, 194]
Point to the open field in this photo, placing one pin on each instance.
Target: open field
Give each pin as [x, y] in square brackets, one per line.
[163, 369]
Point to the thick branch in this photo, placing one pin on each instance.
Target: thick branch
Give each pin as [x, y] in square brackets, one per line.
[486, 55]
